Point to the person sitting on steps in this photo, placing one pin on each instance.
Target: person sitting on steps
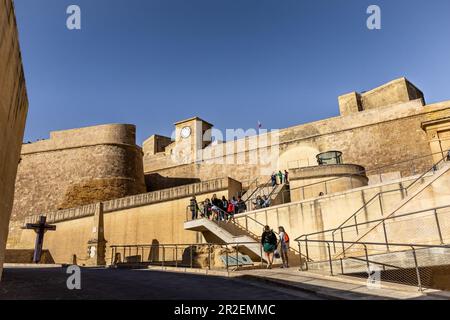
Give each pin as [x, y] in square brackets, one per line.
[265, 202]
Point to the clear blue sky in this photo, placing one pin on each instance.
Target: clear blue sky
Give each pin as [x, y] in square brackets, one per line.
[232, 62]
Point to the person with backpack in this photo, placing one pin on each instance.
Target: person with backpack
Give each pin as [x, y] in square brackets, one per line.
[269, 244]
[242, 207]
[215, 208]
[273, 178]
[193, 206]
[284, 246]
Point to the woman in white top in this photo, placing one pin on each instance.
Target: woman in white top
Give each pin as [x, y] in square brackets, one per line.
[284, 246]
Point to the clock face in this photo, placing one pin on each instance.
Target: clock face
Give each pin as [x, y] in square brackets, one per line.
[185, 132]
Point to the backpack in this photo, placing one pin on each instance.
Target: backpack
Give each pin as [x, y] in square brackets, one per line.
[286, 237]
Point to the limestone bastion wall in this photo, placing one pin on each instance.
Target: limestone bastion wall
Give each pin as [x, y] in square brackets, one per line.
[149, 218]
[13, 112]
[381, 140]
[77, 167]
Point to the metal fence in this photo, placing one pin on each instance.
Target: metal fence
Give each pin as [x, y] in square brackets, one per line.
[210, 256]
[419, 265]
[372, 214]
[430, 226]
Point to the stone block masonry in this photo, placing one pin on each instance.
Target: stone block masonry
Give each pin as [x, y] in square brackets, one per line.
[155, 217]
[78, 167]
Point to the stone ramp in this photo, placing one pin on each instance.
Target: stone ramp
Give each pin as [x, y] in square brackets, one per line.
[433, 264]
[426, 257]
[339, 287]
[373, 233]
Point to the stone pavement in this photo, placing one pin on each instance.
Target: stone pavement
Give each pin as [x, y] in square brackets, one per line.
[29, 282]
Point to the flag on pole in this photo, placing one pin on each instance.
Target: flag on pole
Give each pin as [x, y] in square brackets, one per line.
[259, 125]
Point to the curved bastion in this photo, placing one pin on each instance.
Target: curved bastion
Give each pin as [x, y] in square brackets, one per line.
[78, 167]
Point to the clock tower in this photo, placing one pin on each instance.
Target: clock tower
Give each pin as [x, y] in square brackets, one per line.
[191, 137]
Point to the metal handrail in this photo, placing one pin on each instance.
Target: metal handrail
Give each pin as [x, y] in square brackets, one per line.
[256, 187]
[258, 237]
[264, 185]
[376, 220]
[116, 248]
[413, 247]
[246, 228]
[433, 168]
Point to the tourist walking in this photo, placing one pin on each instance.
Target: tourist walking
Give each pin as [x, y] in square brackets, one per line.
[224, 208]
[286, 177]
[230, 211]
[269, 244]
[193, 206]
[235, 205]
[216, 207]
[274, 179]
[242, 207]
[283, 242]
[280, 176]
[207, 208]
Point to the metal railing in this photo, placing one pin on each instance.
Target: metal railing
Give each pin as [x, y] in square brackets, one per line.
[375, 199]
[193, 255]
[432, 219]
[271, 189]
[412, 267]
[252, 186]
[230, 218]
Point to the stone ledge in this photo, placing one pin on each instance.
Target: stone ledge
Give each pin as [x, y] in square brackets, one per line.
[327, 170]
[135, 201]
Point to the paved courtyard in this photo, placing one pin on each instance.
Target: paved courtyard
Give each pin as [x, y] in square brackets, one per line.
[50, 283]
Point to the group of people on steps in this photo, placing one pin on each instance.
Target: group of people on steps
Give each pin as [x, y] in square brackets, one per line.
[279, 178]
[217, 209]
